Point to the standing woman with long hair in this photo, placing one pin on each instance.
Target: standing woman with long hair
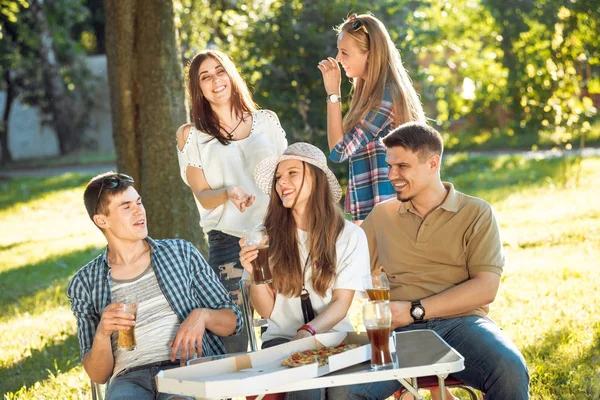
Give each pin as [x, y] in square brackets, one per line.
[218, 152]
[312, 250]
[383, 97]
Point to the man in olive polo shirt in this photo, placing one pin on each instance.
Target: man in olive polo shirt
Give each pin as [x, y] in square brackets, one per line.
[442, 252]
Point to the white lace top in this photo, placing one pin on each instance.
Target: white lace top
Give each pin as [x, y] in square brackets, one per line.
[233, 164]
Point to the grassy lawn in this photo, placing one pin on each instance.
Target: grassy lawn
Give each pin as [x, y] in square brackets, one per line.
[548, 302]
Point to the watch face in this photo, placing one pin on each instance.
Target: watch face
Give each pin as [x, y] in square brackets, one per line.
[333, 98]
[417, 312]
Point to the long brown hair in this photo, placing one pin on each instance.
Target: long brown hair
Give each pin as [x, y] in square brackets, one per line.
[384, 69]
[325, 224]
[203, 116]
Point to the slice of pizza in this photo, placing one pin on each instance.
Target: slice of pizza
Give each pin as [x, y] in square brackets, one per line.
[321, 356]
[300, 358]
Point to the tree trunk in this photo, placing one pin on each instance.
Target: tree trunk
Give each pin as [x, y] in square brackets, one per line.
[10, 96]
[64, 111]
[148, 105]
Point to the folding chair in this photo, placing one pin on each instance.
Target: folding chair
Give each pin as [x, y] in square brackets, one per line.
[98, 390]
[250, 322]
[431, 382]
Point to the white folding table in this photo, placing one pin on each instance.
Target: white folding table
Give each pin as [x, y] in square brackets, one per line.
[418, 353]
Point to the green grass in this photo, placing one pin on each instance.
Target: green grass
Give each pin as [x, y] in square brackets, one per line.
[548, 303]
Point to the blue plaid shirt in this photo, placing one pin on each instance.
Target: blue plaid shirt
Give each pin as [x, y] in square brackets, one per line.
[368, 183]
[185, 278]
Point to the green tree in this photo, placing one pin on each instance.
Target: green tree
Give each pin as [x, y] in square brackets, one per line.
[42, 66]
[544, 43]
[485, 70]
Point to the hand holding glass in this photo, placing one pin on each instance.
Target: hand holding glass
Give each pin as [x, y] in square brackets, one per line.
[126, 339]
[258, 237]
[377, 286]
[377, 317]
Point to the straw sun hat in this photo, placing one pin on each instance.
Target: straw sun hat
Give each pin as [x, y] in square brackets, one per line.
[265, 170]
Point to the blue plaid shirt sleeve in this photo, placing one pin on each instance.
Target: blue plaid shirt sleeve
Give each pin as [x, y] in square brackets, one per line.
[83, 308]
[367, 130]
[211, 293]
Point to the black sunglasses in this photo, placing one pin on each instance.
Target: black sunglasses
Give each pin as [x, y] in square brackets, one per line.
[357, 24]
[112, 182]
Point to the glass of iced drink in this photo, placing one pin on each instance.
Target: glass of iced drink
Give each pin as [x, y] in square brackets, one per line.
[258, 237]
[126, 339]
[378, 321]
[377, 286]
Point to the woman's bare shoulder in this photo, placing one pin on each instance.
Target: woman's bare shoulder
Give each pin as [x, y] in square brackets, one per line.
[183, 133]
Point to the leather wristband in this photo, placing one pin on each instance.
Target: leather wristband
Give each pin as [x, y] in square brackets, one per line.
[308, 329]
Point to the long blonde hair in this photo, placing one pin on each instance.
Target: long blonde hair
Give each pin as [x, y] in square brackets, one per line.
[384, 69]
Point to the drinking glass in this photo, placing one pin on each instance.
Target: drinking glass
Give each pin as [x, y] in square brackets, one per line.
[257, 236]
[378, 321]
[377, 286]
[126, 339]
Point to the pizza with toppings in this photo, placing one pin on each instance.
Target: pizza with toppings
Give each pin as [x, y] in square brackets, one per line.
[321, 356]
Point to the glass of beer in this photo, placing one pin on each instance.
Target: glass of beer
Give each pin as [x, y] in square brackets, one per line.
[126, 339]
[378, 321]
[258, 237]
[377, 286]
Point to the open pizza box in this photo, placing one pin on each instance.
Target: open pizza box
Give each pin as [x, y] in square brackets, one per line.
[260, 371]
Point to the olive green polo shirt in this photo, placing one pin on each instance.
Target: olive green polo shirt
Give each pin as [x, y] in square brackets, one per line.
[423, 257]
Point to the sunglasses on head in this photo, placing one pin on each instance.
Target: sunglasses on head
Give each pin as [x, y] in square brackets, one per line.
[357, 24]
[112, 182]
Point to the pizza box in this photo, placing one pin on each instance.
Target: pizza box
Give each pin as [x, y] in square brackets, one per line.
[260, 371]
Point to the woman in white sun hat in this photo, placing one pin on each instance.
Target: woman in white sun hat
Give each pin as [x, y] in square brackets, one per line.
[312, 249]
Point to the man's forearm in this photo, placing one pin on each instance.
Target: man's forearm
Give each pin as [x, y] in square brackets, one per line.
[463, 298]
[221, 322]
[99, 361]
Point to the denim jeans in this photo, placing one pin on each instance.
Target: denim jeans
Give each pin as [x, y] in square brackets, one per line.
[224, 249]
[493, 364]
[140, 384]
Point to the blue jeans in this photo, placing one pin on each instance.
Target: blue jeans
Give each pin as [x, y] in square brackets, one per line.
[139, 384]
[224, 249]
[493, 364]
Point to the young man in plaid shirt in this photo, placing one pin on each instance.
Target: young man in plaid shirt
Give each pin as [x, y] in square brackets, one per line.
[182, 308]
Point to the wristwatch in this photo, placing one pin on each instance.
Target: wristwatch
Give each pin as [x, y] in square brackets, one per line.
[334, 98]
[417, 311]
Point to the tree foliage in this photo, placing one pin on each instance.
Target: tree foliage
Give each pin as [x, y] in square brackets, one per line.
[505, 71]
[42, 65]
[553, 47]
[486, 70]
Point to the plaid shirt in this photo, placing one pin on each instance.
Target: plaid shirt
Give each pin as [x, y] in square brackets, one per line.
[368, 183]
[185, 278]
